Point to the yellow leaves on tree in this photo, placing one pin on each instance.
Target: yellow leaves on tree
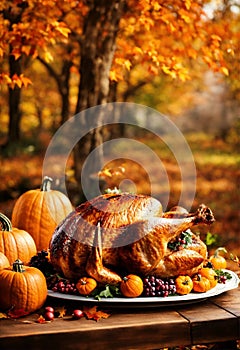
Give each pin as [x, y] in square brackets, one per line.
[19, 81]
[168, 37]
[160, 36]
[27, 28]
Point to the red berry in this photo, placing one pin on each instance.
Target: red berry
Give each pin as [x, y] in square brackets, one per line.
[49, 316]
[49, 308]
[77, 314]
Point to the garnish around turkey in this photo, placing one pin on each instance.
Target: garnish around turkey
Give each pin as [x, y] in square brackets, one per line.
[136, 250]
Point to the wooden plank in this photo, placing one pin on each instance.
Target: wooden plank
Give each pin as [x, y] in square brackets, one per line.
[214, 320]
[134, 329]
[211, 323]
[230, 301]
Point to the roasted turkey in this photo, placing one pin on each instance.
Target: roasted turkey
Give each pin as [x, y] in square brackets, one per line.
[113, 233]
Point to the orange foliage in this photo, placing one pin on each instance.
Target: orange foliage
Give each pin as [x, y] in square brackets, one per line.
[159, 35]
[162, 38]
[93, 314]
[28, 28]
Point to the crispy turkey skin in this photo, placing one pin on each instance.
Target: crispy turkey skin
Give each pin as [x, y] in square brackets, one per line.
[125, 232]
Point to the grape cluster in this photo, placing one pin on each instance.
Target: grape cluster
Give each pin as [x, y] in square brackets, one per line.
[42, 262]
[158, 287]
[222, 279]
[63, 286]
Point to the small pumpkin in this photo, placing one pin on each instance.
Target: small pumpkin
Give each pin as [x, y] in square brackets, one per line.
[131, 286]
[210, 274]
[39, 211]
[14, 242]
[4, 262]
[22, 288]
[86, 285]
[218, 261]
[184, 284]
[200, 284]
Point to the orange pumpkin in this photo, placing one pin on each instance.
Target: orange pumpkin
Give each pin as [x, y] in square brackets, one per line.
[184, 284]
[22, 288]
[218, 261]
[200, 284]
[86, 285]
[131, 286]
[4, 262]
[15, 243]
[210, 274]
[39, 211]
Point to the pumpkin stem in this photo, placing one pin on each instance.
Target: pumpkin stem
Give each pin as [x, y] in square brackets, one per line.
[220, 249]
[46, 184]
[199, 277]
[83, 282]
[5, 223]
[186, 281]
[18, 266]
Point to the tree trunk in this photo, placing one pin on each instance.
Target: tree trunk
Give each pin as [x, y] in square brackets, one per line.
[14, 103]
[14, 68]
[63, 83]
[97, 50]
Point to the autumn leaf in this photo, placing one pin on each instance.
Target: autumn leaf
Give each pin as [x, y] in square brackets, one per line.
[224, 70]
[3, 315]
[93, 314]
[216, 37]
[17, 80]
[25, 81]
[127, 64]
[187, 4]
[16, 53]
[61, 28]
[153, 70]
[26, 49]
[185, 16]
[61, 310]
[105, 173]
[5, 78]
[113, 76]
[48, 56]
[41, 319]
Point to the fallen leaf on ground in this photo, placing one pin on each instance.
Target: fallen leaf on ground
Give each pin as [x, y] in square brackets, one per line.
[61, 310]
[93, 314]
[41, 319]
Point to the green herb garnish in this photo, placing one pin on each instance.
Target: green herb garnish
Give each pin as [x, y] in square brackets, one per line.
[108, 291]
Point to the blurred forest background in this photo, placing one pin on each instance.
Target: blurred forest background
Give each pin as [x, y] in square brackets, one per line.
[181, 58]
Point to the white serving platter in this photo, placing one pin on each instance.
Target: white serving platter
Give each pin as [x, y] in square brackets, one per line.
[154, 301]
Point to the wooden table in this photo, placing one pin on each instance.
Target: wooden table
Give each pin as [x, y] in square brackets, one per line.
[213, 320]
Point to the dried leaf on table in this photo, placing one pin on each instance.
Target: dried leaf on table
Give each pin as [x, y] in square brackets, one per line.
[61, 311]
[41, 319]
[3, 315]
[93, 314]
